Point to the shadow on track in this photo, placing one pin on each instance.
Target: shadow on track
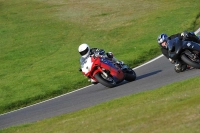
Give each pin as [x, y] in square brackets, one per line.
[148, 74]
[139, 77]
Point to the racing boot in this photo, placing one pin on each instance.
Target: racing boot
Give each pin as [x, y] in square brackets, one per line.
[123, 66]
[177, 66]
[92, 81]
[180, 67]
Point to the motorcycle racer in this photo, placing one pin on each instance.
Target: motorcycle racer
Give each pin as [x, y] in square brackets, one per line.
[85, 51]
[164, 40]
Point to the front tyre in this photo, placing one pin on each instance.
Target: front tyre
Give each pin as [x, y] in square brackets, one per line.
[190, 61]
[106, 81]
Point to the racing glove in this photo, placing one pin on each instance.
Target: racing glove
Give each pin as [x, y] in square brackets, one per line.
[172, 61]
[185, 35]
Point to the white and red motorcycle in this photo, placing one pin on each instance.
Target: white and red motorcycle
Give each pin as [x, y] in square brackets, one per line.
[104, 71]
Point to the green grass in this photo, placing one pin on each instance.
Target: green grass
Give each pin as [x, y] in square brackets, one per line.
[39, 40]
[173, 108]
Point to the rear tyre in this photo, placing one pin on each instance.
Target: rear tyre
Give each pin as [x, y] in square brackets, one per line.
[130, 75]
[108, 82]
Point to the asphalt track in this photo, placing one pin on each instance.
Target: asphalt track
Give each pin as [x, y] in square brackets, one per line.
[156, 73]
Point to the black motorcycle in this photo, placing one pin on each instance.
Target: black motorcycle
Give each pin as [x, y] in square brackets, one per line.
[186, 52]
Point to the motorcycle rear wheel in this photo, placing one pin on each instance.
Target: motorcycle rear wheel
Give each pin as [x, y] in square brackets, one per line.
[108, 82]
[130, 75]
[189, 61]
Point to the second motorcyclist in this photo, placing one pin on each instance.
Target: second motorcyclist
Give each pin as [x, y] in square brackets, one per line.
[163, 41]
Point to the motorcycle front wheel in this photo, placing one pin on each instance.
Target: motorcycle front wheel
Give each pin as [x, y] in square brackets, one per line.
[191, 61]
[106, 81]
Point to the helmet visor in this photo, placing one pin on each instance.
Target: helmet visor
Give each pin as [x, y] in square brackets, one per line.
[84, 52]
[160, 40]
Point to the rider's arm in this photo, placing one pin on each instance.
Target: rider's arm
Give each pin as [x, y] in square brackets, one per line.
[97, 52]
[189, 36]
[193, 37]
[82, 61]
[176, 35]
[165, 52]
[93, 51]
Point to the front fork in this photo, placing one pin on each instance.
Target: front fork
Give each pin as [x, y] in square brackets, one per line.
[102, 71]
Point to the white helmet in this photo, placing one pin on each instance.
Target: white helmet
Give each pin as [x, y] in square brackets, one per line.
[84, 50]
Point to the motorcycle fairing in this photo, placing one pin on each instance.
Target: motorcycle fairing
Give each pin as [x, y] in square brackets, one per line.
[106, 64]
[176, 47]
[191, 46]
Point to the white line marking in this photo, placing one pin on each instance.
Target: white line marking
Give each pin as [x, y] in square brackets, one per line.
[149, 62]
[46, 100]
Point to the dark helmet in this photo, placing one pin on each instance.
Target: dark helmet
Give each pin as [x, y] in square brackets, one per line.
[110, 55]
[161, 38]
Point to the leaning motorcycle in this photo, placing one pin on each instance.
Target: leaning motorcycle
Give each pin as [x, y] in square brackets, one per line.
[187, 52]
[104, 71]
